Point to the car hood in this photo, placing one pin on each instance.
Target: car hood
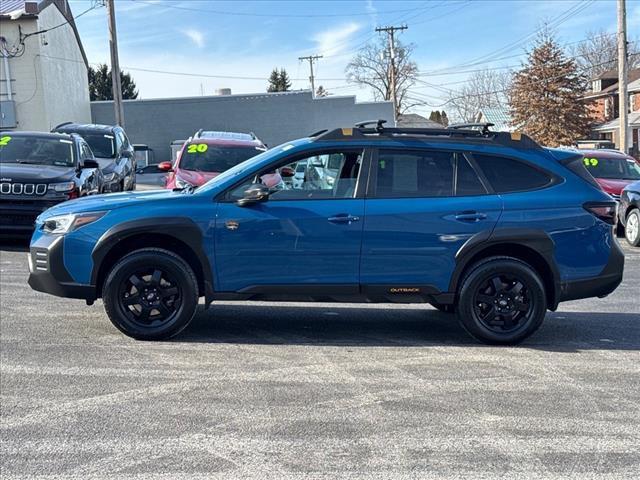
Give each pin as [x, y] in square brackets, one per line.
[25, 173]
[614, 187]
[196, 178]
[111, 201]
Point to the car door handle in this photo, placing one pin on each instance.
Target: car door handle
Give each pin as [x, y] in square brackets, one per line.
[470, 216]
[343, 218]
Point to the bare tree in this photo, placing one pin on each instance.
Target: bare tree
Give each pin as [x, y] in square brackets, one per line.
[484, 89]
[599, 53]
[371, 67]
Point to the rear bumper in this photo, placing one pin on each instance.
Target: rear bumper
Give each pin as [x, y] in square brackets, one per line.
[599, 286]
[48, 274]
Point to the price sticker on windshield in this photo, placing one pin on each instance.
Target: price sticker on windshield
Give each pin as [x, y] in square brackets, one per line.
[4, 141]
[197, 148]
[591, 162]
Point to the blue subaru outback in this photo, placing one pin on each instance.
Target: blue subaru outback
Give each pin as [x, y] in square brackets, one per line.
[487, 225]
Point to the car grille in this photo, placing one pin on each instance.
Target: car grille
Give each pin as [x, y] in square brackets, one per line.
[18, 220]
[30, 189]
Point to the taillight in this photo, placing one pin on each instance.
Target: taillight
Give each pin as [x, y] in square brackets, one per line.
[605, 211]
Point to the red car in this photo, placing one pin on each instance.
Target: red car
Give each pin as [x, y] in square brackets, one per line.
[208, 154]
[612, 170]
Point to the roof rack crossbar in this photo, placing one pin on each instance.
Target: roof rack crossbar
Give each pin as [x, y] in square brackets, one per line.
[483, 125]
[378, 123]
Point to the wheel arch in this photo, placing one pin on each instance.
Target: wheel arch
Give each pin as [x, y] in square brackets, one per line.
[181, 236]
[533, 247]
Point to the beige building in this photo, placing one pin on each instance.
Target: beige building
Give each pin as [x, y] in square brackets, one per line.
[43, 69]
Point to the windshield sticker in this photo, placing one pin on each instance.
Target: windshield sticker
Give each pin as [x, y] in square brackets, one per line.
[197, 148]
[4, 141]
[591, 162]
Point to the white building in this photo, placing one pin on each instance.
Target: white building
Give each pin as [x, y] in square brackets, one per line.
[43, 69]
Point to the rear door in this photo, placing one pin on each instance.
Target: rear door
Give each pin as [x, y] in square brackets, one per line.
[421, 207]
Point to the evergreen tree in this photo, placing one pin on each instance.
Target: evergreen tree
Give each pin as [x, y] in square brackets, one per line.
[100, 84]
[279, 81]
[321, 92]
[444, 119]
[545, 97]
[435, 116]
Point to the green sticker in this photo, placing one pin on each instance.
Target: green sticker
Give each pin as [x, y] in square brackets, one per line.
[591, 162]
[382, 164]
[4, 141]
[197, 148]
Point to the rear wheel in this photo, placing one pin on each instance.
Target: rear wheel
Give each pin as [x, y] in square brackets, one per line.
[151, 294]
[502, 301]
[632, 228]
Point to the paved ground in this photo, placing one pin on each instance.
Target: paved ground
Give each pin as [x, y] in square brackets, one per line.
[275, 391]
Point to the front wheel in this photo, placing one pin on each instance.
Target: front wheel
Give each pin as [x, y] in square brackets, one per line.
[632, 228]
[502, 301]
[151, 294]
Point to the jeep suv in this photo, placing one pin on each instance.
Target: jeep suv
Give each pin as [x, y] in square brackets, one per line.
[488, 225]
[112, 149]
[39, 170]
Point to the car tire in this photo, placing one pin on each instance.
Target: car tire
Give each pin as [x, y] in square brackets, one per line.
[151, 294]
[502, 301]
[632, 228]
[443, 308]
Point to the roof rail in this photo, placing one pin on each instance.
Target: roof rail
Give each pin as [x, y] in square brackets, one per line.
[61, 125]
[484, 126]
[198, 133]
[378, 123]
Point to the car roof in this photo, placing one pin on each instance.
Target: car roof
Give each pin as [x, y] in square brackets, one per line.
[53, 136]
[602, 153]
[85, 127]
[234, 142]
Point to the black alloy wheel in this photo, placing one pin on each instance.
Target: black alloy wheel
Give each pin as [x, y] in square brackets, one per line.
[151, 294]
[502, 301]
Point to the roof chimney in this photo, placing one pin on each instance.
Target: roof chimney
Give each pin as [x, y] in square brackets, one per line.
[31, 8]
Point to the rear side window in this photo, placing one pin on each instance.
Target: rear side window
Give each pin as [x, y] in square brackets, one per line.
[509, 175]
[406, 174]
[577, 166]
[467, 181]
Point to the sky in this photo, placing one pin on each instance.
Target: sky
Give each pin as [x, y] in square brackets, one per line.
[236, 44]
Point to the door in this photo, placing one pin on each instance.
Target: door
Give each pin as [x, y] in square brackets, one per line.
[307, 234]
[422, 206]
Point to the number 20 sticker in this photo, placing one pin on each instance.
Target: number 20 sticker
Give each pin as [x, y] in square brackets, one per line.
[197, 148]
[4, 141]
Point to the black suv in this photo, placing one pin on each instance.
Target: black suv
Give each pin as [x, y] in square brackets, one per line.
[40, 170]
[113, 151]
[629, 213]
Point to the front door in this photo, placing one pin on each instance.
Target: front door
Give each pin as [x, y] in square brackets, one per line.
[422, 206]
[308, 233]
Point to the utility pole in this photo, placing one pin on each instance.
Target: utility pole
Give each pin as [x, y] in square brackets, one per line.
[311, 59]
[623, 95]
[115, 65]
[390, 31]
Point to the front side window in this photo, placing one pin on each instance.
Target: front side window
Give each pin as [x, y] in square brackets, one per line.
[202, 157]
[330, 175]
[509, 175]
[36, 150]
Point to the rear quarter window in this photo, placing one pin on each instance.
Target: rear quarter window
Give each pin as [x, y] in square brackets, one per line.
[510, 175]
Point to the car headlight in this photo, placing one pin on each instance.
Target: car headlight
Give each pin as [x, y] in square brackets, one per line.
[181, 183]
[69, 222]
[110, 177]
[62, 187]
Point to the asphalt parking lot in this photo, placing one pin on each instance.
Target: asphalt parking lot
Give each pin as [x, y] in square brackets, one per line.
[277, 391]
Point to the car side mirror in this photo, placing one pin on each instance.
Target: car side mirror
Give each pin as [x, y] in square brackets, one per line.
[256, 193]
[165, 167]
[287, 172]
[90, 163]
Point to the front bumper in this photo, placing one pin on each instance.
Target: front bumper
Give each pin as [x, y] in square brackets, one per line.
[599, 286]
[48, 274]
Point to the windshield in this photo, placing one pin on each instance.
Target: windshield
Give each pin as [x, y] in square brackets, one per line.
[612, 168]
[213, 158]
[102, 145]
[36, 150]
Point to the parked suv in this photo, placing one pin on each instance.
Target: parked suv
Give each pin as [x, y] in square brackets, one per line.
[612, 170]
[39, 170]
[112, 149]
[208, 154]
[629, 213]
[489, 225]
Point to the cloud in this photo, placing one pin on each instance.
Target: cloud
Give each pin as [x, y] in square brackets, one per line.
[195, 36]
[335, 40]
[372, 11]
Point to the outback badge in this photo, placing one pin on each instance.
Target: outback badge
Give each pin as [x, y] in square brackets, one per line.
[232, 225]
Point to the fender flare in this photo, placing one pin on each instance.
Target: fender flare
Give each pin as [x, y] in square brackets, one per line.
[534, 239]
[181, 228]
